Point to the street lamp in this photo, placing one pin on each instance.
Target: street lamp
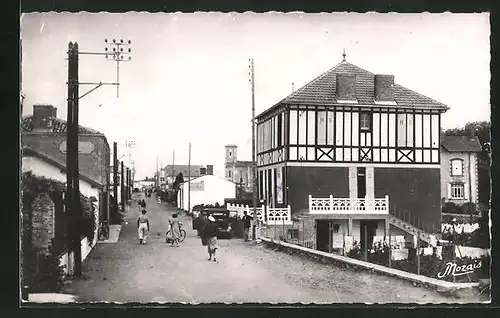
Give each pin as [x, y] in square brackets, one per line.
[118, 51]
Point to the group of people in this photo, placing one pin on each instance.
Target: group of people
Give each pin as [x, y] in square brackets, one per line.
[209, 230]
[174, 230]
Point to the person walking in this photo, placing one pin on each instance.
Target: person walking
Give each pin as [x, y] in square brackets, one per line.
[210, 237]
[175, 230]
[143, 227]
[247, 222]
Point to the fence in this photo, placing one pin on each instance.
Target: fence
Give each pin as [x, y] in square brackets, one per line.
[348, 205]
[418, 223]
[296, 231]
[265, 214]
[407, 255]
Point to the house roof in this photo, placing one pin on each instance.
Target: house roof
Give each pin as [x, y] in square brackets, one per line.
[461, 143]
[31, 152]
[243, 163]
[195, 170]
[322, 91]
[58, 126]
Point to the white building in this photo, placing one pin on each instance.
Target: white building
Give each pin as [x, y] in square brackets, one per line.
[207, 189]
[41, 165]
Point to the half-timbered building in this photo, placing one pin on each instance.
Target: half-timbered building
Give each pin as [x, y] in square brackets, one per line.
[354, 147]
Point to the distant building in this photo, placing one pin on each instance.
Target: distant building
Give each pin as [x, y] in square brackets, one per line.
[238, 171]
[170, 172]
[207, 189]
[459, 183]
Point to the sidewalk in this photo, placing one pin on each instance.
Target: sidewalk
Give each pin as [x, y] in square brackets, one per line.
[116, 229]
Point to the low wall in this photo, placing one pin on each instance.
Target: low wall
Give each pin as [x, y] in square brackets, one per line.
[342, 261]
[86, 249]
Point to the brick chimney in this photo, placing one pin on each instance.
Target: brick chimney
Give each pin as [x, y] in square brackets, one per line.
[384, 88]
[42, 115]
[346, 87]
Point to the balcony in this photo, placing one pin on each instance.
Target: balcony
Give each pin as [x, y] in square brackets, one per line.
[333, 205]
[265, 214]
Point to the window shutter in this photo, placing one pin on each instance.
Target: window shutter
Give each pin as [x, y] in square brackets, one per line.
[466, 191]
[449, 191]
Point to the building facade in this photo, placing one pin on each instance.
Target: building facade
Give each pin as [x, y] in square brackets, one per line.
[45, 136]
[239, 172]
[208, 189]
[170, 172]
[353, 148]
[459, 174]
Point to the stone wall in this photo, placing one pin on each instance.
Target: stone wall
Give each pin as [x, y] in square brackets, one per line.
[43, 221]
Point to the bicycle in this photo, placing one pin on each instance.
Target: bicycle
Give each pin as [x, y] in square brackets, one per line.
[181, 238]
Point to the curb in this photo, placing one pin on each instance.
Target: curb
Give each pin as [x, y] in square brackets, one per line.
[439, 285]
[117, 228]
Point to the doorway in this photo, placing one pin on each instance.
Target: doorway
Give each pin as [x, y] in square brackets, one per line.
[324, 235]
[361, 182]
[371, 229]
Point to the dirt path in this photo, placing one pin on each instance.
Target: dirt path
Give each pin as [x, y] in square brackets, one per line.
[246, 272]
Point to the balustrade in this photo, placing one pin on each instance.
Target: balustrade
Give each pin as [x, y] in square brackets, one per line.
[333, 205]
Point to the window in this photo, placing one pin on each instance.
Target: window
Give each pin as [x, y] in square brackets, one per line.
[365, 123]
[230, 173]
[279, 128]
[457, 167]
[457, 191]
[405, 130]
[321, 127]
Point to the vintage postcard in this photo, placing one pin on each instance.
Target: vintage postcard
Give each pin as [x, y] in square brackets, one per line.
[287, 158]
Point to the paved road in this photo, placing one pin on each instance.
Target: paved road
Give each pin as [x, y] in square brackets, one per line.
[246, 272]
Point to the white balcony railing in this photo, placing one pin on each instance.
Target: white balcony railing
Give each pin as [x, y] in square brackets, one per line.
[278, 216]
[333, 205]
[238, 209]
[265, 214]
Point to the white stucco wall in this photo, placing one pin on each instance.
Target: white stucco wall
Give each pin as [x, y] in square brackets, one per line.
[215, 190]
[42, 168]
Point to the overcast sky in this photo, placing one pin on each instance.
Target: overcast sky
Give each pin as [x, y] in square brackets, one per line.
[188, 79]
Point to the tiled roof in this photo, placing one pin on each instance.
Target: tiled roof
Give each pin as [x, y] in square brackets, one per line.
[58, 126]
[322, 90]
[461, 143]
[28, 151]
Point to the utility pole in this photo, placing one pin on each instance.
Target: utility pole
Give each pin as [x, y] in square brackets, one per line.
[72, 153]
[157, 175]
[173, 169]
[119, 50]
[189, 179]
[130, 144]
[72, 177]
[122, 194]
[128, 184]
[115, 177]
[254, 158]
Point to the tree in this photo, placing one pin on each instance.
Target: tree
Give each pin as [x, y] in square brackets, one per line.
[178, 180]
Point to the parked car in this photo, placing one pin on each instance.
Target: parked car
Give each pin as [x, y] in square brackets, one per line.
[224, 222]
